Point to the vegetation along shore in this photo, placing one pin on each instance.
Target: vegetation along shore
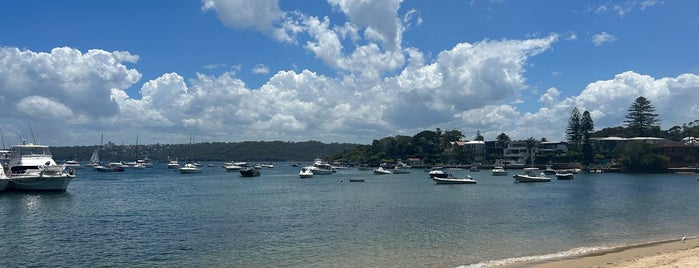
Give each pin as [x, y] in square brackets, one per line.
[638, 145]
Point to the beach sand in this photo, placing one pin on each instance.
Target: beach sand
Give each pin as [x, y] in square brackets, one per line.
[674, 253]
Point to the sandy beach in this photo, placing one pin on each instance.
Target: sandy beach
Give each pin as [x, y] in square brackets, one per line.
[674, 253]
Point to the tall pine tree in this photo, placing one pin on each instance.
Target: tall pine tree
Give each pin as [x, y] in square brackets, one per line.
[641, 117]
[573, 130]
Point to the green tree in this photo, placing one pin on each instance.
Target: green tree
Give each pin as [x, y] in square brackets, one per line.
[643, 157]
[531, 143]
[503, 138]
[573, 133]
[641, 117]
[586, 128]
[478, 136]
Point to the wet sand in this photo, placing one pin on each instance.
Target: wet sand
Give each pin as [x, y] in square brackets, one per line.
[674, 253]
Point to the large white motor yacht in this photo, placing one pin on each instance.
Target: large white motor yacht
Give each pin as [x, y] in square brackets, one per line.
[32, 168]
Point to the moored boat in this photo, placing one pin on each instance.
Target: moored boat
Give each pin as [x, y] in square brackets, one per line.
[498, 171]
[531, 175]
[189, 168]
[438, 172]
[565, 175]
[305, 173]
[549, 170]
[32, 168]
[111, 167]
[454, 180]
[234, 166]
[381, 171]
[320, 167]
[249, 172]
[173, 164]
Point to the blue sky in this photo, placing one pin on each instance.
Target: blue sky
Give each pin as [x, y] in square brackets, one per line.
[338, 70]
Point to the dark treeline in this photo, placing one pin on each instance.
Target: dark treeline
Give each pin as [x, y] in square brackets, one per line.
[210, 151]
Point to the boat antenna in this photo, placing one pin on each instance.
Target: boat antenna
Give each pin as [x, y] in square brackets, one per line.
[2, 135]
[32, 132]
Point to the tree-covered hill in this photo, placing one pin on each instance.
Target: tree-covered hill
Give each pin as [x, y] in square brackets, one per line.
[210, 151]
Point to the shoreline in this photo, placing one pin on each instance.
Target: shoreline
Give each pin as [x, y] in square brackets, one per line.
[667, 253]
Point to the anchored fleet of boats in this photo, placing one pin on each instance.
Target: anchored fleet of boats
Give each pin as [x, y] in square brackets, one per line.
[31, 167]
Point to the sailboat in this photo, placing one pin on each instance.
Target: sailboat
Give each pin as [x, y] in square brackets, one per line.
[95, 157]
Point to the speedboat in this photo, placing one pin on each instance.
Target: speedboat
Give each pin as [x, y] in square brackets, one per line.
[173, 164]
[305, 173]
[498, 171]
[321, 168]
[401, 168]
[454, 180]
[249, 172]
[382, 171]
[32, 168]
[74, 164]
[111, 167]
[565, 175]
[531, 175]
[437, 172]
[549, 170]
[189, 168]
[234, 166]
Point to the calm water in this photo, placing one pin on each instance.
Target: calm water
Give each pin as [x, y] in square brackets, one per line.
[160, 218]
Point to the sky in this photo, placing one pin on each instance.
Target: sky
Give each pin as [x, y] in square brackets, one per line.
[350, 71]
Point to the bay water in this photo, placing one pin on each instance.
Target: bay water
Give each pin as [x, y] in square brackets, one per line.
[157, 217]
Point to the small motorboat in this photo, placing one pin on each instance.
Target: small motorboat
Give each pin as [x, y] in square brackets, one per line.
[249, 172]
[498, 171]
[454, 180]
[565, 175]
[356, 180]
[189, 168]
[438, 172]
[305, 173]
[382, 171]
[531, 175]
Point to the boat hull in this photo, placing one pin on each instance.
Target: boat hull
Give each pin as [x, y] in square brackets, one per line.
[3, 183]
[319, 171]
[453, 181]
[249, 172]
[521, 178]
[39, 183]
[567, 176]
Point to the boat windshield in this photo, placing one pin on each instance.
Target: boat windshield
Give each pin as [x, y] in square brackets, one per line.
[31, 151]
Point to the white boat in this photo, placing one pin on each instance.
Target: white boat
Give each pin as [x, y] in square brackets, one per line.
[454, 180]
[189, 168]
[321, 168]
[438, 172]
[382, 171]
[565, 175]
[531, 175]
[3, 178]
[549, 170]
[498, 171]
[234, 166]
[173, 164]
[305, 173]
[95, 157]
[74, 164]
[111, 167]
[401, 168]
[32, 168]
